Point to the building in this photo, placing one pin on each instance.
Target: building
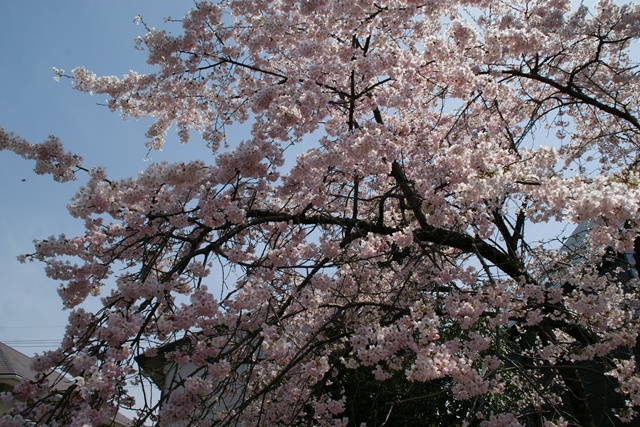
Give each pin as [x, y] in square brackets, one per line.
[16, 366]
[169, 377]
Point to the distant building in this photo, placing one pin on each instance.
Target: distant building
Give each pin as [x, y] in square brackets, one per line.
[169, 377]
[16, 366]
[595, 390]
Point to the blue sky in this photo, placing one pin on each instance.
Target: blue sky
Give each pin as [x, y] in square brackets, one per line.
[34, 37]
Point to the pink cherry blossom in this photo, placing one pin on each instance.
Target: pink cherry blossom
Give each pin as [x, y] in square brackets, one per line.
[411, 244]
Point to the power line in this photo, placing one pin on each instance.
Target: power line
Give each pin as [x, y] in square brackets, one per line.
[31, 343]
[31, 327]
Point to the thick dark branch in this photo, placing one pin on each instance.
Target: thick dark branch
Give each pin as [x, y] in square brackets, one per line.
[511, 241]
[469, 244]
[454, 239]
[262, 216]
[352, 99]
[574, 92]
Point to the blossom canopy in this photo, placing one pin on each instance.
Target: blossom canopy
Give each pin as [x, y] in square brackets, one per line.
[396, 252]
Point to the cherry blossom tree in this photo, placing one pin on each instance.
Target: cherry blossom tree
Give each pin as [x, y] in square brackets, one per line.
[397, 250]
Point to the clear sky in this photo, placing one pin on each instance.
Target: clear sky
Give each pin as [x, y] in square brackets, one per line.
[36, 35]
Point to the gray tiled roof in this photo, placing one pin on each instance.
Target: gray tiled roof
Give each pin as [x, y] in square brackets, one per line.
[14, 363]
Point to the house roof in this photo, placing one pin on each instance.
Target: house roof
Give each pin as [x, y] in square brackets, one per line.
[15, 364]
[154, 366]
